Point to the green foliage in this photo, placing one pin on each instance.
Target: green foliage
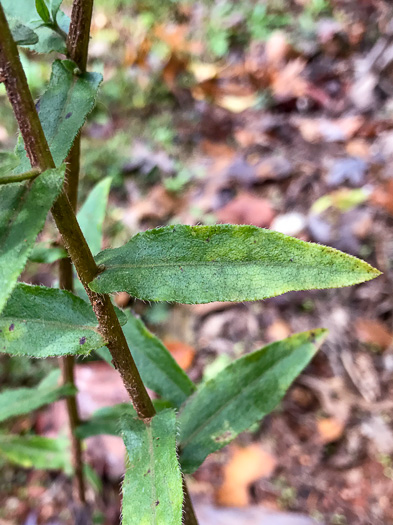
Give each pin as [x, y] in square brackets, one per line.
[153, 472]
[158, 369]
[50, 25]
[63, 109]
[106, 420]
[22, 34]
[241, 394]
[36, 452]
[92, 214]
[21, 220]
[18, 401]
[43, 252]
[200, 264]
[43, 322]
[42, 11]
[8, 161]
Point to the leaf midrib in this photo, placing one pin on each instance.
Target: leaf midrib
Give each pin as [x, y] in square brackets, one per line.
[259, 262]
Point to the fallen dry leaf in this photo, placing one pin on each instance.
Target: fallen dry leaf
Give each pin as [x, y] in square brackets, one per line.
[383, 196]
[278, 330]
[237, 103]
[122, 299]
[328, 130]
[245, 466]
[330, 429]
[247, 209]
[182, 352]
[371, 331]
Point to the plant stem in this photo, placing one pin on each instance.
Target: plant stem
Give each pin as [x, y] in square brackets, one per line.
[77, 47]
[26, 175]
[40, 156]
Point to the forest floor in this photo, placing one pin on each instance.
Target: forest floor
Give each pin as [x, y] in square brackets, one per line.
[277, 117]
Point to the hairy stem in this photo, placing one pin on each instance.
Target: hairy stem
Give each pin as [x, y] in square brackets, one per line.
[40, 156]
[77, 48]
[26, 175]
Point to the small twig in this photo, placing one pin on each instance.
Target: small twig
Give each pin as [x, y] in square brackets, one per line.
[26, 175]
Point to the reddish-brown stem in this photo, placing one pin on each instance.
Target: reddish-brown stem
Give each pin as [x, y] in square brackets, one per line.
[77, 47]
[37, 149]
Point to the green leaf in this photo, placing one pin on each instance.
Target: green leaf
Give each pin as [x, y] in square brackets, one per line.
[44, 253]
[152, 487]
[242, 394]
[36, 452]
[200, 264]
[54, 6]
[106, 420]
[8, 161]
[48, 40]
[24, 208]
[158, 369]
[15, 402]
[63, 109]
[22, 34]
[91, 219]
[43, 322]
[42, 11]
[92, 214]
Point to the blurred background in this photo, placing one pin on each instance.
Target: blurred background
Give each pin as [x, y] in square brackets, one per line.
[276, 113]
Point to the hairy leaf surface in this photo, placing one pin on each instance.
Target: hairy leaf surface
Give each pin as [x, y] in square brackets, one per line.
[36, 452]
[63, 109]
[242, 394]
[26, 12]
[43, 322]
[200, 264]
[18, 401]
[23, 210]
[158, 369]
[152, 487]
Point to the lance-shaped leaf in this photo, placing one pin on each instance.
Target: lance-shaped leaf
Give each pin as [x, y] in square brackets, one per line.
[18, 401]
[36, 452]
[91, 219]
[63, 109]
[26, 12]
[158, 369]
[92, 214]
[23, 210]
[43, 322]
[242, 394]
[200, 264]
[152, 487]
